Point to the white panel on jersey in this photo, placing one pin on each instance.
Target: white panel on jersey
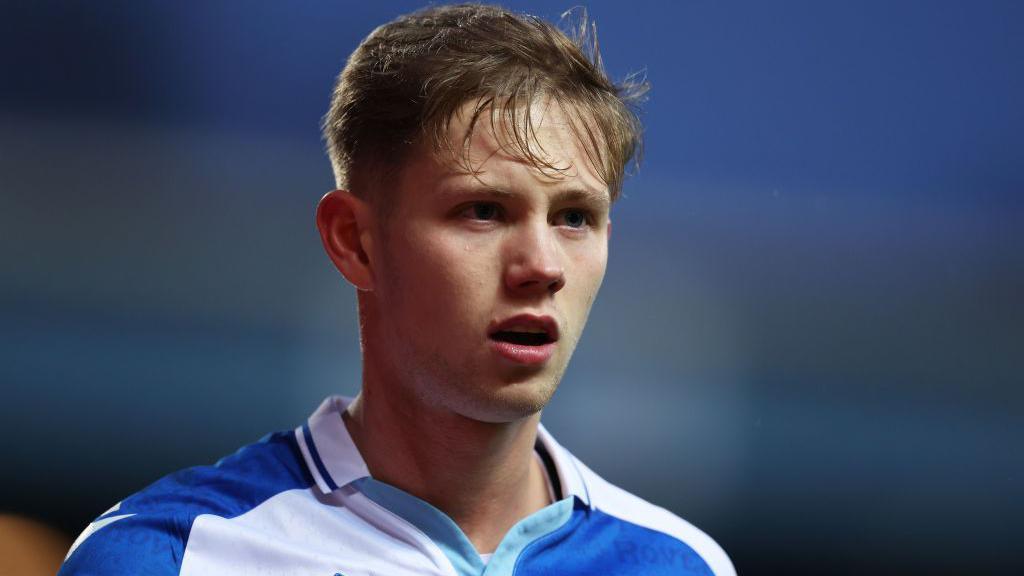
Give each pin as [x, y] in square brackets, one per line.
[300, 532]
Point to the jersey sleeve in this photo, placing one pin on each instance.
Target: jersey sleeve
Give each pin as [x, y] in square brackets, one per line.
[147, 533]
[122, 543]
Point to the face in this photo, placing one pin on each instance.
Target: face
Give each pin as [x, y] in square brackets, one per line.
[483, 282]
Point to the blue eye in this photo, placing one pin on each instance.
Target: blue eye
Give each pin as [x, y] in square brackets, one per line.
[574, 218]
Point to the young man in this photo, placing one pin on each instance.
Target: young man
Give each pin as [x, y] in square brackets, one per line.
[477, 153]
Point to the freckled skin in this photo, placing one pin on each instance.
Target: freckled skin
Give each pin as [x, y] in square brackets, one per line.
[446, 274]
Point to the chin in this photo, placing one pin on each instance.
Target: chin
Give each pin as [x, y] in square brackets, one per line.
[511, 402]
[485, 392]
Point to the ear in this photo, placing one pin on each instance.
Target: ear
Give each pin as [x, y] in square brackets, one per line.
[345, 222]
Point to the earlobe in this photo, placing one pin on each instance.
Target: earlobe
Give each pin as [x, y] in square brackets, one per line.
[343, 221]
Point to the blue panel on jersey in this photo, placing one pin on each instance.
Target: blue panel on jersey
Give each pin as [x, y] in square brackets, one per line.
[593, 542]
[152, 540]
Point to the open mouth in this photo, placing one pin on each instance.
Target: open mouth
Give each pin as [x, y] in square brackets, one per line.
[522, 338]
[525, 339]
[525, 330]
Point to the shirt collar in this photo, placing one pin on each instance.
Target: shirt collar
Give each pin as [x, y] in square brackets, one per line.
[330, 454]
[569, 475]
[334, 461]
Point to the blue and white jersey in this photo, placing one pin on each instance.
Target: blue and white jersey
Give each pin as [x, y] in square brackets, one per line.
[302, 503]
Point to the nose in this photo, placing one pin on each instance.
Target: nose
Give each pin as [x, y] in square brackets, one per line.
[535, 262]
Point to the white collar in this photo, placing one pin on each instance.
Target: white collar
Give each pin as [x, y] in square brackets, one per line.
[334, 461]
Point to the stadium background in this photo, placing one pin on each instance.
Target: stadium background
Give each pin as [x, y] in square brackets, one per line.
[809, 340]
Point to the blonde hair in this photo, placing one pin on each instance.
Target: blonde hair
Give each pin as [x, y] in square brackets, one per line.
[407, 80]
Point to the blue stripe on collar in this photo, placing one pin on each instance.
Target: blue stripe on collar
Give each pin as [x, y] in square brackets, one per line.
[315, 455]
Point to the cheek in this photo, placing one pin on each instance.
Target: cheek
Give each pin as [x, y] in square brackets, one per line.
[589, 272]
[590, 264]
[440, 279]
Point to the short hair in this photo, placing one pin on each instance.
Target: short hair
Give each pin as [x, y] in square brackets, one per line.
[407, 80]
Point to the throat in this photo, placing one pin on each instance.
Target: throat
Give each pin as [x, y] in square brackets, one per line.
[484, 476]
[487, 524]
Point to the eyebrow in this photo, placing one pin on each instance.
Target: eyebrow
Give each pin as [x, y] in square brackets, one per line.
[586, 195]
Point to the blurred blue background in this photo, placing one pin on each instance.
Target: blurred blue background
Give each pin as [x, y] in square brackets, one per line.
[809, 341]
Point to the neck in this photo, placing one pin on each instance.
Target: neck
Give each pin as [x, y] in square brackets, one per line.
[483, 475]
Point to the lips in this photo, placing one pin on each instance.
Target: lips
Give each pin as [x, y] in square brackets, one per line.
[525, 329]
[525, 339]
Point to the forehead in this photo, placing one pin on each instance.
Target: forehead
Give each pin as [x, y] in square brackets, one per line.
[539, 144]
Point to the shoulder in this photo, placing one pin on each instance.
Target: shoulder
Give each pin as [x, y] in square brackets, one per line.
[624, 506]
[147, 532]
